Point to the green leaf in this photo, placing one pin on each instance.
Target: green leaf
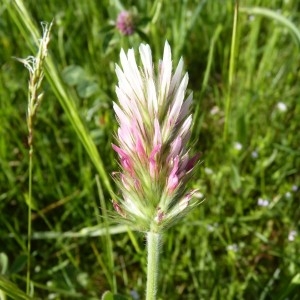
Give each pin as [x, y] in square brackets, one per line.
[144, 21]
[270, 13]
[30, 202]
[11, 290]
[296, 279]
[242, 129]
[19, 264]
[86, 89]
[82, 279]
[73, 75]
[235, 179]
[142, 35]
[108, 295]
[268, 161]
[290, 289]
[107, 28]
[3, 263]
[106, 40]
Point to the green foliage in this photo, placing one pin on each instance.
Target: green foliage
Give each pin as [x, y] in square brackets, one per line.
[10, 289]
[241, 242]
[110, 296]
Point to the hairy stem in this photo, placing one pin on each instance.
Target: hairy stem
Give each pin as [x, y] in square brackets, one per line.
[153, 246]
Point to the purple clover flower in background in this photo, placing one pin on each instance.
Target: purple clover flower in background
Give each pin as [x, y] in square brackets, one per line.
[154, 129]
[125, 23]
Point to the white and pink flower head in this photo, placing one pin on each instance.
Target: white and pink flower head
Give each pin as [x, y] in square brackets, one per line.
[154, 129]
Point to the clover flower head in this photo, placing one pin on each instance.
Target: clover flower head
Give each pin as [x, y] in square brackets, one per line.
[125, 22]
[154, 128]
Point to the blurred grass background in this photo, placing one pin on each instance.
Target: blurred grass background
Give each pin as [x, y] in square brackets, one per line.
[243, 241]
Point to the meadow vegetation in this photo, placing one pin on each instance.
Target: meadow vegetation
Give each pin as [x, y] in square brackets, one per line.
[243, 241]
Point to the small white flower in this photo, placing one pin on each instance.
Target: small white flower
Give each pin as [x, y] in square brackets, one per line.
[263, 202]
[208, 171]
[292, 235]
[212, 227]
[233, 247]
[215, 110]
[37, 268]
[282, 106]
[49, 283]
[251, 18]
[134, 294]
[294, 188]
[254, 154]
[288, 195]
[238, 146]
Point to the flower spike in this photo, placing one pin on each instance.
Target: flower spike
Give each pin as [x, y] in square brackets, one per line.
[154, 120]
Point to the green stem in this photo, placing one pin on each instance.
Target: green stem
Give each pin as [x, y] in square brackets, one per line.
[29, 220]
[231, 69]
[153, 245]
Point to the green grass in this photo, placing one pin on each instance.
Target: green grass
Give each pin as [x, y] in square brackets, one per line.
[229, 247]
